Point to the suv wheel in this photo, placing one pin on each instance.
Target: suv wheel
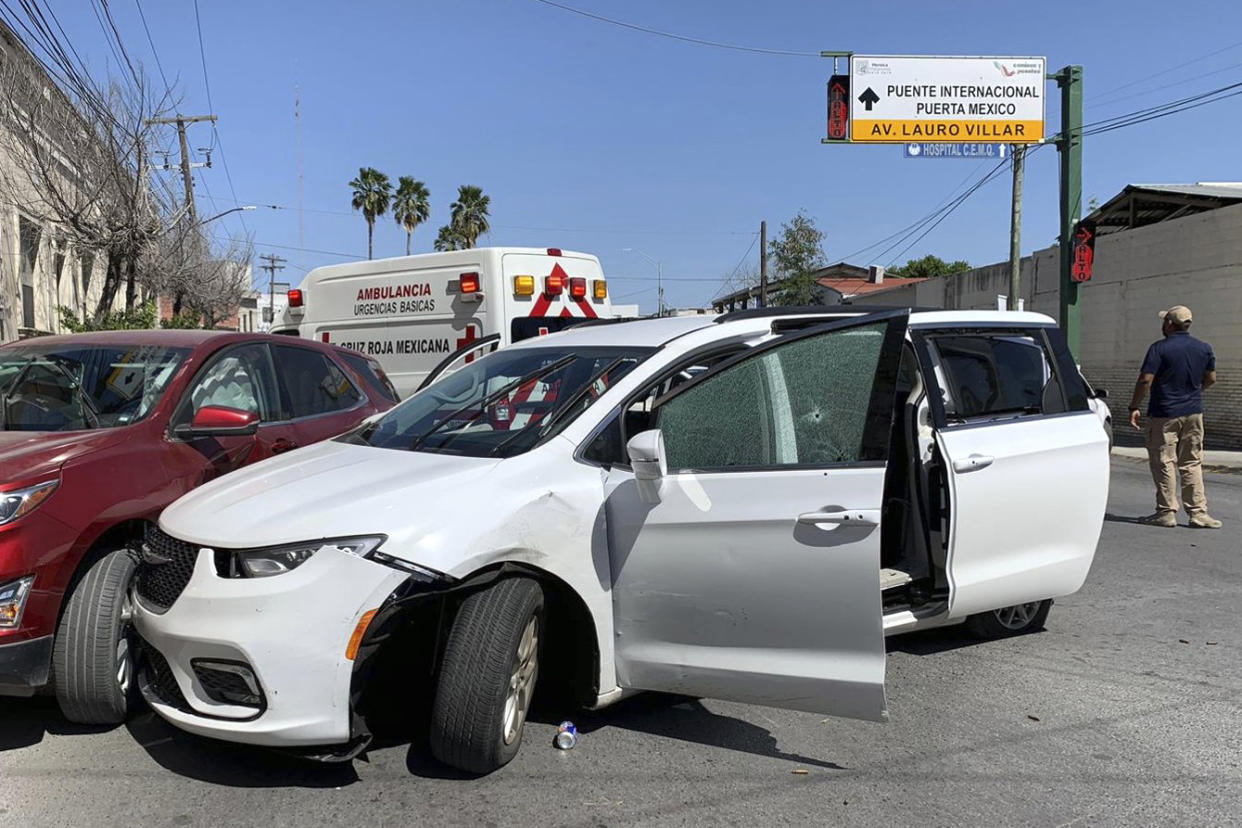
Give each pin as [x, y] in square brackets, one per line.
[487, 677]
[1007, 621]
[93, 657]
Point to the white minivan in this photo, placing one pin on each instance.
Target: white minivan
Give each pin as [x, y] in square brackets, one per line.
[412, 312]
[737, 508]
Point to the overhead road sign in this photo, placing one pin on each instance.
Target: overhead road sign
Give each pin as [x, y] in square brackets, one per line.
[969, 151]
[946, 99]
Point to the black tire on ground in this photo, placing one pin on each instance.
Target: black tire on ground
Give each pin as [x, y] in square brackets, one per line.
[1009, 621]
[481, 659]
[92, 652]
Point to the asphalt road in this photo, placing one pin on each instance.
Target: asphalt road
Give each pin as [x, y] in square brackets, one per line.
[1126, 710]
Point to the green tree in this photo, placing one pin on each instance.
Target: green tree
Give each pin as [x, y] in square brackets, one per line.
[795, 255]
[372, 194]
[468, 216]
[411, 206]
[450, 239]
[929, 267]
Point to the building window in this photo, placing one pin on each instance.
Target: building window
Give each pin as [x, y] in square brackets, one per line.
[30, 236]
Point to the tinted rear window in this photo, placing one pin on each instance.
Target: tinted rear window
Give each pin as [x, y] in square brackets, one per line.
[371, 371]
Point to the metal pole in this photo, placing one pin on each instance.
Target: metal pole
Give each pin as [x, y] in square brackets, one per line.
[763, 264]
[1015, 230]
[660, 288]
[1069, 145]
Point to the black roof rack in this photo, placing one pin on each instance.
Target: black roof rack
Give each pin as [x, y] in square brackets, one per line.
[808, 310]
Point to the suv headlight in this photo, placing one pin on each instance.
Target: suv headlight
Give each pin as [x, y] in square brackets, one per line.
[277, 560]
[20, 502]
[13, 601]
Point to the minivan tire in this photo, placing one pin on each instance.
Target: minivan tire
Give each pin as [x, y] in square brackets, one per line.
[93, 656]
[489, 668]
[1010, 621]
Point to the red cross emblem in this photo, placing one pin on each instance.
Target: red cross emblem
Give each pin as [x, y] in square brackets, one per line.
[465, 340]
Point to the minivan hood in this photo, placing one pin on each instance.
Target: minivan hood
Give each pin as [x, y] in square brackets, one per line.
[28, 455]
[330, 489]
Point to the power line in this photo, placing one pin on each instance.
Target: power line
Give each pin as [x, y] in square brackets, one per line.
[672, 36]
[151, 42]
[1165, 71]
[603, 230]
[215, 132]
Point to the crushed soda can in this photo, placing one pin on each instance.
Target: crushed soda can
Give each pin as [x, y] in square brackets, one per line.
[566, 735]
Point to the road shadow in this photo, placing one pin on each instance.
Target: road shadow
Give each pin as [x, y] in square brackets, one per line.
[686, 719]
[226, 763]
[1112, 518]
[25, 721]
[941, 640]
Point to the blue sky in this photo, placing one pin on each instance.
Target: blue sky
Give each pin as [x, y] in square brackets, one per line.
[593, 137]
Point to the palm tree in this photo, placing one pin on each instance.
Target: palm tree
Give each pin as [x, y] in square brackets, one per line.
[372, 193]
[411, 206]
[469, 214]
[450, 238]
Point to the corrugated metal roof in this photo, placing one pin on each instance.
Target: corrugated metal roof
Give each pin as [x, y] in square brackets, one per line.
[1211, 189]
[1142, 204]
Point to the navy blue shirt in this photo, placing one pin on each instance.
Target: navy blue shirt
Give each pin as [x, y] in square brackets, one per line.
[1178, 362]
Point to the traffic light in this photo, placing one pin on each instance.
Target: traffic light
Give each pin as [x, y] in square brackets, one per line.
[839, 108]
[1084, 251]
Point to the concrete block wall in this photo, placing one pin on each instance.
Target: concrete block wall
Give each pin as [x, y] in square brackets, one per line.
[1194, 261]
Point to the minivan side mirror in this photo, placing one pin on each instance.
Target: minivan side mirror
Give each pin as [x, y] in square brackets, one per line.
[646, 453]
[220, 421]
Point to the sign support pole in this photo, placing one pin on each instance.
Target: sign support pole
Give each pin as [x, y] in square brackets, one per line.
[1015, 229]
[1069, 145]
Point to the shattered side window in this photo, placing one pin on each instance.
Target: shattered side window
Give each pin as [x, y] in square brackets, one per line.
[829, 382]
[721, 423]
[804, 403]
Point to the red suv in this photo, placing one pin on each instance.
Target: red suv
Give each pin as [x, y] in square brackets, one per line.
[98, 433]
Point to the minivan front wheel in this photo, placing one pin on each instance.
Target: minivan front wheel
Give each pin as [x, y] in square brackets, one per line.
[487, 676]
[92, 657]
[1007, 621]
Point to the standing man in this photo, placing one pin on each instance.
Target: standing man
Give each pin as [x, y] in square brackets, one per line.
[1175, 371]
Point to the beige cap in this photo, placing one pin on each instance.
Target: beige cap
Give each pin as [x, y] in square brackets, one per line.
[1178, 314]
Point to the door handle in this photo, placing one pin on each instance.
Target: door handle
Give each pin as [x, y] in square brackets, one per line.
[973, 463]
[858, 517]
[283, 444]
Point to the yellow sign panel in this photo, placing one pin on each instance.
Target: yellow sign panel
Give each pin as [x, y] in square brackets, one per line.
[993, 132]
[900, 99]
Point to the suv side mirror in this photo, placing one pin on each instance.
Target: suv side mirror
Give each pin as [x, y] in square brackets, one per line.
[220, 421]
[1101, 393]
[646, 453]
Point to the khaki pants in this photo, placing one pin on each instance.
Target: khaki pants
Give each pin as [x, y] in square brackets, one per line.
[1175, 448]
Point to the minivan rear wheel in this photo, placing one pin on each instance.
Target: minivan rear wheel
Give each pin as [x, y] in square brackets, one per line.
[1007, 621]
[487, 676]
[93, 657]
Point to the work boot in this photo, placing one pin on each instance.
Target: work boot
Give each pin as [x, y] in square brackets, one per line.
[1168, 520]
[1204, 521]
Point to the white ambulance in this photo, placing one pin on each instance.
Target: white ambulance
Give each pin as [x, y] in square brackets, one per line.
[414, 312]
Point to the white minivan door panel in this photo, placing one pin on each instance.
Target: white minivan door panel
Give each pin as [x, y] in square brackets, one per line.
[1027, 500]
[750, 571]
[719, 591]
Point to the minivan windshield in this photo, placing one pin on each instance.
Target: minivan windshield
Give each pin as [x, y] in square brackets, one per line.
[68, 387]
[502, 404]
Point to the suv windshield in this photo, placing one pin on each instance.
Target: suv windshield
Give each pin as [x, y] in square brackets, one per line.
[68, 387]
[502, 404]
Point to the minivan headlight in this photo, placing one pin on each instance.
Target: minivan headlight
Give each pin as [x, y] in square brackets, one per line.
[20, 502]
[277, 560]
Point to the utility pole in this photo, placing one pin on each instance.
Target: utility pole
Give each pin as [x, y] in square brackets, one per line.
[272, 264]
[1069, 146]
[1015, 230]
[763, 264]
[181, 121]
[660, 288]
